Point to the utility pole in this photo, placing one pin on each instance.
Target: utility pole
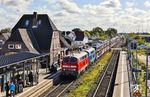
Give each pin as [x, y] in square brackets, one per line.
[146, 69]
[136, 62]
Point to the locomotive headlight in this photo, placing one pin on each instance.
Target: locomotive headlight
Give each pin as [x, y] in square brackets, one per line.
[73, 66]
[74, 69]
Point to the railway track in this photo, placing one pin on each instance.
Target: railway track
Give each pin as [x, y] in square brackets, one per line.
[41, 87]
[58, 90]
[61, 88]
[106, 78]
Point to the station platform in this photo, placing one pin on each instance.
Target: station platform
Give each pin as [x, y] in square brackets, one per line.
[43, 79]
[121, 88]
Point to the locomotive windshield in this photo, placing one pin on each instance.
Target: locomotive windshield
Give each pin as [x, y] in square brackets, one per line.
[73, 59]
[70, 59]
[66, 59]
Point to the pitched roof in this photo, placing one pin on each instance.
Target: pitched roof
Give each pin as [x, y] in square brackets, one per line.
[6, 35]
[79, 36]
[40, 36]
[26, 37]
[42, 33]
[64, 42]
[19, 57]
[52, 24]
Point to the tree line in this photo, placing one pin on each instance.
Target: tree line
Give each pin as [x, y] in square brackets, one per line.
[98, 32]
[95, 32]
[5, 30]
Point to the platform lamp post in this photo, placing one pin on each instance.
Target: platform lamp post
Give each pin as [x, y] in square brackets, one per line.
[136, 60]
[132, 50]
[129, 48]
[145, 47]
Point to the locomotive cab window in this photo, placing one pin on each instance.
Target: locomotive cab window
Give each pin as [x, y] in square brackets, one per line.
[66, 59]
[73, 59]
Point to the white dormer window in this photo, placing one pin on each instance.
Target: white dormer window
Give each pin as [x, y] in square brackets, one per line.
[39, 22]
[18, 46]
[34, 26]
[10, 46]
[1, 43]
[27, 23]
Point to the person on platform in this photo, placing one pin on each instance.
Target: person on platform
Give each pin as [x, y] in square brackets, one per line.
[37, 77]
[12, 89]
[20, 84]
[7, 89]
[16, 86]
[31, 78]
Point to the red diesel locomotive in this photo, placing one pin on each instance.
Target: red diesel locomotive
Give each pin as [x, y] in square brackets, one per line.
[74, 64]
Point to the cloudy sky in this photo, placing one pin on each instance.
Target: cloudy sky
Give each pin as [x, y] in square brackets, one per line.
[124, 15]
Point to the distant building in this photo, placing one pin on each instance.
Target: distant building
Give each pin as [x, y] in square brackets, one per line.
[36, 33]
[3, 38]
[69, 34]
[80, 39]
[76, 38]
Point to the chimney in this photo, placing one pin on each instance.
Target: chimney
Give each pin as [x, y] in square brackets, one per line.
[34, 19]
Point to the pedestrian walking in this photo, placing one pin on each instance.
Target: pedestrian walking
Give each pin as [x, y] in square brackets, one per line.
[37, 77]
[12, 89]
[20, 84]
[16, 86]
[31, 78]
[7, 88]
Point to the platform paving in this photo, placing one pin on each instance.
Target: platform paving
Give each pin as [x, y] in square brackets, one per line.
[121, 88]
[42, 77]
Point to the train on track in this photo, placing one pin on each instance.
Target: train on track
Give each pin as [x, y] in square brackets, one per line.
[76, 62]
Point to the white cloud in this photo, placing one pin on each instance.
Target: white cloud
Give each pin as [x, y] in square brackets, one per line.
[7, 19]
[67, 14]
[111, 3]
[17, 5]
[130, 4]
[147, 3]
[107, 7]
[66, 5]
[61, 13]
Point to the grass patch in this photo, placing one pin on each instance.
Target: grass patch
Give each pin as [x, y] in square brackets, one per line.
[86, 81]
[140, 52]
[147, 44]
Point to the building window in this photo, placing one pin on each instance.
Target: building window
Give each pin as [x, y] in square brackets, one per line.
[10, 46]
[1, 43]
[39, 22]
[18, 46]
[27, 23]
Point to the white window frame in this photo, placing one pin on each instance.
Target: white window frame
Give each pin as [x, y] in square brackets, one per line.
[39, 22]
[16, 46]
[11, 47]
[27, 23]
[1, 43]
